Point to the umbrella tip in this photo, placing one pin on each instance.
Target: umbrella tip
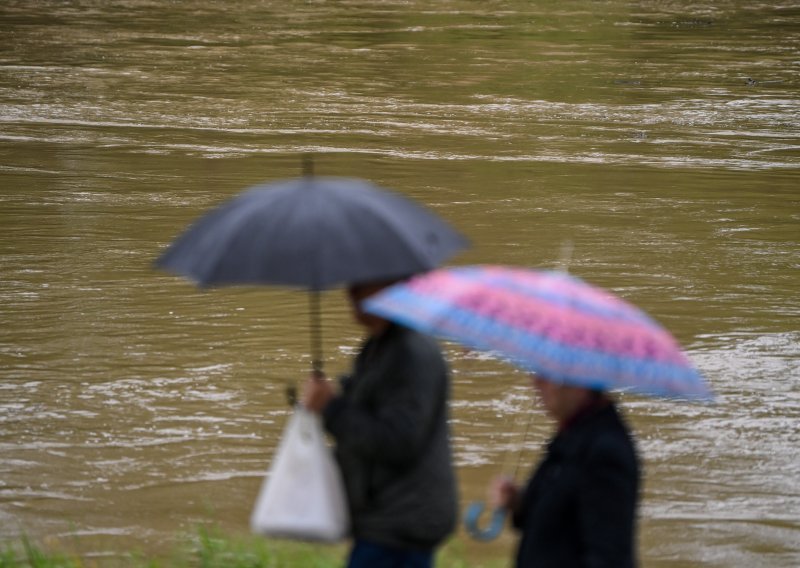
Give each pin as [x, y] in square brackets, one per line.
[566, 256]
[308, 165]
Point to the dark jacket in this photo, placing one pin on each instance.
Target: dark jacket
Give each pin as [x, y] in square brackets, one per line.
[393, 441]
[579, 509]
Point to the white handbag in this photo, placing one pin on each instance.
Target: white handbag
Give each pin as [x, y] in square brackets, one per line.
[302, 497]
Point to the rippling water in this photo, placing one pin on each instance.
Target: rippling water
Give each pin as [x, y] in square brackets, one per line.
[660, 139]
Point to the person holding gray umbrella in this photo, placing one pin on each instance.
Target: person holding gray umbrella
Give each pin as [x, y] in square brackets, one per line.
[390, 423]
[390, 418]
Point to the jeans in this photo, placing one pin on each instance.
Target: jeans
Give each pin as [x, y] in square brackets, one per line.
[371, 555]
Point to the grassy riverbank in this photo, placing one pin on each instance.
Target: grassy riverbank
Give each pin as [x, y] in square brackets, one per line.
[208, 549]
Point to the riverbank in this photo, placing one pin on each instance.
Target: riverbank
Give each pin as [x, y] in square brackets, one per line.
[208, 548]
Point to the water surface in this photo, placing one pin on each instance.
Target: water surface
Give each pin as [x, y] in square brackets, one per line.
[660, 139]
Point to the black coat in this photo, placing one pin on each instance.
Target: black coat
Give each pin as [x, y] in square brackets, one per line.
[579, 508]
[393, 443]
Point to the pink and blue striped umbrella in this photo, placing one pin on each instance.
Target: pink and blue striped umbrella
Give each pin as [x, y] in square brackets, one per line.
[550, 323]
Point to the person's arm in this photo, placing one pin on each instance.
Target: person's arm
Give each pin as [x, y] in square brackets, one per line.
[318, 392]
[607, 505]
[505, 494]
[410, 396]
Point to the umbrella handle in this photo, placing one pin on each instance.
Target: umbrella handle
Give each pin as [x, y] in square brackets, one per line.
[492, 530]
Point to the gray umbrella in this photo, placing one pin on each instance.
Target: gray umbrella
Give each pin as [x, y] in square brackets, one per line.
[314, 233]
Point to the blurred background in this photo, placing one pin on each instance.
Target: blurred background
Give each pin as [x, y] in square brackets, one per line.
[660, 139]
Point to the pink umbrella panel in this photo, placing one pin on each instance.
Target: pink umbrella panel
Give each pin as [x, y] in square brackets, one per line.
[549, 323]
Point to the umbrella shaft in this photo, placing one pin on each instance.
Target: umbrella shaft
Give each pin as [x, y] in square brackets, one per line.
[315, 330]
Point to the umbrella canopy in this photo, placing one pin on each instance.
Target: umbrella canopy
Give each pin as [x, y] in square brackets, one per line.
[550, 323]
[313, 233]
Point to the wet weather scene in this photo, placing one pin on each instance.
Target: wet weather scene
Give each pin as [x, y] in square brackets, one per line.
[400, 283]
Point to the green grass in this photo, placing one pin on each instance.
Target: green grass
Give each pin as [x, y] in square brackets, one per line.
[210, 549]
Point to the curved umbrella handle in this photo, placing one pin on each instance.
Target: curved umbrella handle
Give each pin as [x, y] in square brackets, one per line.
[495, 526]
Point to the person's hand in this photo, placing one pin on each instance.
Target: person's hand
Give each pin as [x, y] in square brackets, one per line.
[317, 392]
[503, 493]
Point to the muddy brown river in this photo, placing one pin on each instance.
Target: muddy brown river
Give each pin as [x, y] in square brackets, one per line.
[660, 139]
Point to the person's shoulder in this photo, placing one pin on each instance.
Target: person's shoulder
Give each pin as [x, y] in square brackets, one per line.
[415, 344]
[610, 437]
